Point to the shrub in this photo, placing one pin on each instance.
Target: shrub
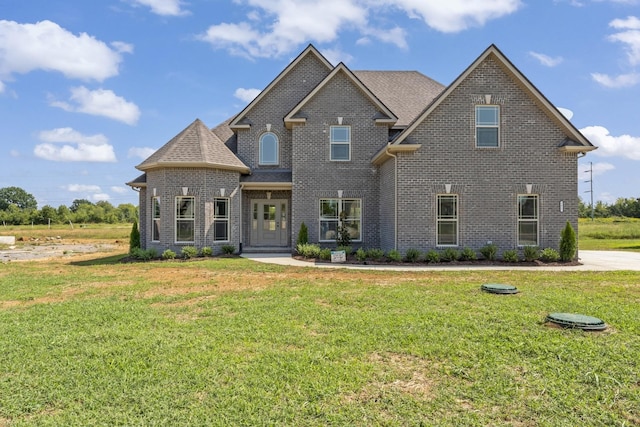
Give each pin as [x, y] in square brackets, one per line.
[168, 254]
[394, 255]
[144, 254]
[206, 251]
[468, 254]
[432, 256]
[348, 250]
[412, 255]
[510, 255]
[325, 254]
[303, 234]
[361, 254]
[568, 243]
[489, 252]
[449, 255]
[549, 255]
[134, 237]
[228, 249]
[375, 254]
[189, 252]
[531, 253]
[309, 250]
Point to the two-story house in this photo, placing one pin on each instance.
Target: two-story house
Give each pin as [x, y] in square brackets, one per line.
[398, 159]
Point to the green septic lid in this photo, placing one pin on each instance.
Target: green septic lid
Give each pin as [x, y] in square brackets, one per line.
[571, 320]
[495, 288]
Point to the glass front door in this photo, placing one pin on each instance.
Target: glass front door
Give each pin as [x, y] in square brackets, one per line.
[269, 223]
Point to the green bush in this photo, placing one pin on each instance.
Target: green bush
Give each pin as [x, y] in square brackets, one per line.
[394, 255]
[228, 249]
[168, 254]
[348, 250]
[375, 254]
[206, 251]
[432, 256]
[568, 243]
[531, 253]
[134, 237]
[189, 252]
[489, 252]
[549, 255]
[144, 254]
[325, 254]
[510, 255]
[308, 250]
[303, 234]
[449, 255]
[361, 254]
[468, 254]
[412, 255]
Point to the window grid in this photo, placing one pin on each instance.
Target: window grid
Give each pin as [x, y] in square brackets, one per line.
[334, 211]
[185, 219]
[221, 219]
[487, 126]
[155, 216]
[447, 220]
[528, 218]
[269, 149]
[340, 146]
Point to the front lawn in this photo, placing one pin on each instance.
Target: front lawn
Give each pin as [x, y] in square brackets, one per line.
[231, 342]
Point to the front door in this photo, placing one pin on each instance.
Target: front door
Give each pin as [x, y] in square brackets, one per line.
[270, 223]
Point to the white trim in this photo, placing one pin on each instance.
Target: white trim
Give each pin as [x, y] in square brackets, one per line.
[454, 218]
[536, 220]
[176, 219]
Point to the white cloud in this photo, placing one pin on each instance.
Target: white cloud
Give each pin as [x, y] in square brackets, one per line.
[163, 7]
[596, 168]
[141, 152]
[76, 147]
[1, 87]
[629, 37]
[546, 60]
[274, 28]
[246, 95]
[99, 197]
[100, 102]
[82, 188]
[608, 145]
[566, 112]
[120, 190]
[14, 153]
[122, 47]
[336, 56]
[47, 46]
[619, 81]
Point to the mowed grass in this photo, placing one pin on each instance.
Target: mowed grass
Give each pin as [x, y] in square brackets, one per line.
[610, 234]
[89, 341]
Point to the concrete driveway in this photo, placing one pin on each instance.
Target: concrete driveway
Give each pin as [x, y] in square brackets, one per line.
[591, 261]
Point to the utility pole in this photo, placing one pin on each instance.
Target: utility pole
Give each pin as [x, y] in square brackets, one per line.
[590, 181]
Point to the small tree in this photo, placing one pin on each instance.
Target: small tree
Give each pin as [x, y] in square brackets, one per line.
[134, 237]
[568, 243]
[343, 237]
[303, 235]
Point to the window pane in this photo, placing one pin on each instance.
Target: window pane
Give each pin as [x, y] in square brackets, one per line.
[328, 230]
[340, 134]
[155, 233]
[156, 207]
[184, 207]
[329, 208]
[487, 116]
[351, 209]
[220, 208]
[447, 207]
[269, 149]
[339, 151]
[528, 233]
[447, 233]
[220, 230]
[487, 137]
[184, 231]
[528, 207]
[353, 227]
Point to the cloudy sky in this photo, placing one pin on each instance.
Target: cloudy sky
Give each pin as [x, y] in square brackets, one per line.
[88, 89]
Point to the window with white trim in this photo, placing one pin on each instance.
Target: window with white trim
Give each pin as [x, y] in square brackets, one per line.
[447, 220]
[185, 219]
[334, 212]
[269, 147]
[221, 219]
[340, 143]
[528, 216]
[487, 126]
[155, 219]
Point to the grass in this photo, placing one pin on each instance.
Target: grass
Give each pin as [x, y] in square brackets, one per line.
[88, 341]
[610, 234]
[79, 232]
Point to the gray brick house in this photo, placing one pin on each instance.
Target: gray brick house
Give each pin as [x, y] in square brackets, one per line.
[400, 160]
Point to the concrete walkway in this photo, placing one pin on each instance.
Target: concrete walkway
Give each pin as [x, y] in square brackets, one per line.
[591, 261]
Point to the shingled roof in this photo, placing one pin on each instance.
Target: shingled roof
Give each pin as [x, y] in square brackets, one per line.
[195, 146]
[406, 93]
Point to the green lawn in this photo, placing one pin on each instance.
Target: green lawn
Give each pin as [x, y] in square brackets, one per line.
[610, 234]
[232, 342]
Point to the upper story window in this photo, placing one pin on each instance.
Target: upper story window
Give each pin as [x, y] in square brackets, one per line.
[528, 220]
[487, 126]
[269, 149]
[340, 143]
[447, 220]
[185, 219]
[155, 214]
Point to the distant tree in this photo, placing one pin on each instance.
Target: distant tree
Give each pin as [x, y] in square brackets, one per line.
[46, 214]
[17, 196]
[127, 212]
[75, 205]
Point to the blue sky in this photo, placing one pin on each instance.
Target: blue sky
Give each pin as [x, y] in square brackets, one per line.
[88, 89]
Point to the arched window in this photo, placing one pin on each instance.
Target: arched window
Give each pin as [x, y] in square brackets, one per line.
[268, 149]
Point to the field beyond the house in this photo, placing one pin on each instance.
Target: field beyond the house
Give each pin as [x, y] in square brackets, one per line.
[87, 340]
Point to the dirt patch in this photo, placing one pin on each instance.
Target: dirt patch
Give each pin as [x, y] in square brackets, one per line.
[35, 251]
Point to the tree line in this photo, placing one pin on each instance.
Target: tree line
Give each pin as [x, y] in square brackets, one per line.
[622, 207]
[17, 207]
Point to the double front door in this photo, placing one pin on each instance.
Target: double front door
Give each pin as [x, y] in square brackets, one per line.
[270, 222]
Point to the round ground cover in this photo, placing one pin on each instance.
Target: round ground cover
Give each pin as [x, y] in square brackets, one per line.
[580, 321]
[496, 288]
